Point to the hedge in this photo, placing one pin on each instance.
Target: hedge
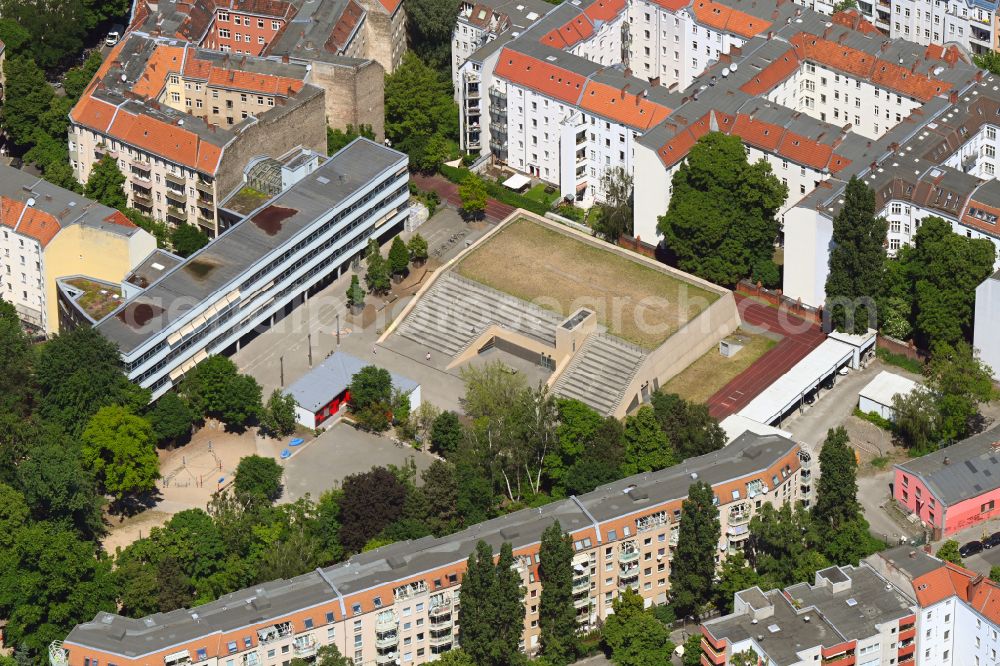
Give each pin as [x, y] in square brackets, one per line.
[497, 191]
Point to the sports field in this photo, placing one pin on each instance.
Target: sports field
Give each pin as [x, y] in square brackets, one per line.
[561, 273]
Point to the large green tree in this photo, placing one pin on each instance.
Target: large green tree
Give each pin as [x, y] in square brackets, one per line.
[474, 196]
[399, 256]
[377, 270]
[837, 514]
[784, 546]
[692, 431]
[371, 397]
[420, 112]
[694, 562]
[616, 213]
[647, 448]
[50, 580]
[577, 426]
[119, 447]
[735, 575]
[371, 501]
[446, 433]
[721, 219]
[171, 418]
[278, 416]
[17, 361]
[26, 97]
[78, 373]
[948, 551]
[258, 479]
[106, 183]
[58, 488]
[216, 388]
[556, 614]
[856, 261]
[634, 636]
[491, 610]
[186, 239]
[430, 24]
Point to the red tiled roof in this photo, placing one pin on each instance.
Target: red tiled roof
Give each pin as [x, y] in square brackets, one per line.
[569, 34]
[727, 19]
[171, 141]
[35, 223]
[540, 76]
[633, 110]
[678, 147]
[391, 5]
[344, 28]
[604, 10]
[163, 60]
[805, 151]
[851, 18]
[864, 65]
[765, 136]
[772, 75]
[952, 580]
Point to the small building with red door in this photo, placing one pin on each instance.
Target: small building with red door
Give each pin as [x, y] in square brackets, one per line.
[955, 487]
[323, 391]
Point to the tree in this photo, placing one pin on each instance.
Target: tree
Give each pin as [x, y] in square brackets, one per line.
[916, 420]
[355, 294]
[836, 492]
[371, 397]
[948, 551]
[329, 655]
[474, 196]
[26, 97]
[856, 260]
[603, 457]
[174, 588]
[278, 416]
[418, 249]
[186, 239]
[736, 575]
[258, 479]
[475, 619]
[692, 650]
[439, 494]
[615, 219]
[556, 614]
[338, 138]
[446, 433]
[171, 419]
[76, 79]
[17, 361]
[988, 60]
[430, 23]
[377, 269]
[14, 514]
[118, 447]
[692, 431]
[14, 37]
[455, 657]
[58, 488]
[784, 546]
[577, 425]
[694, 562]
[371, 501]
[215, 388]
[840, 6]
[106, 183]
[507, 601]
[960, 382]
[78, 373]
[995, 574]
[748, 657]
[50, 581]
[721, 220]
[399, 257]
[634, 636]
[420, 110]
[647, 448]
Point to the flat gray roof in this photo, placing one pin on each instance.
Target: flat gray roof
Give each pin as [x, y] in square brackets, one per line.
[152, 268]
[227, 260]
[960, 471]
[747, 456]
[332, 377]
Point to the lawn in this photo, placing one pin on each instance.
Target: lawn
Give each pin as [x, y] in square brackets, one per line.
[700, 380]
[556, 271]
[537, 193]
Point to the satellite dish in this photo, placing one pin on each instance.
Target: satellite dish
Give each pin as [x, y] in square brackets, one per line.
[725, 71]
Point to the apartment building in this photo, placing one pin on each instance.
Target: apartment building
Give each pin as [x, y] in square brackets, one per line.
[848, 615]
[262, 267]
[185, 123]
[399, 603]
[47, 233]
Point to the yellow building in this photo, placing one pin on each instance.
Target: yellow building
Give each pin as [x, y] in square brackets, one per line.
[46, 233]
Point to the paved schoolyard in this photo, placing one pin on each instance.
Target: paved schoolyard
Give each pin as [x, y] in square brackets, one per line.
[337, 453]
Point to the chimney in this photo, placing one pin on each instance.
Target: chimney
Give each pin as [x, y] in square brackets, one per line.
[913, 554]
[628, 71]
[913, 67]
[655, 81]
[953, 97]
[947, 460]
[284, 58]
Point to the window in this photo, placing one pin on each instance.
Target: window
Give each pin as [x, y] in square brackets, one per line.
[275, 25]
[983, 509]
[260, 23]
[202, 656]
[224, 17]
[223, 33]
[355, 609]
[237, 20]
[308, 623]
[232, 647]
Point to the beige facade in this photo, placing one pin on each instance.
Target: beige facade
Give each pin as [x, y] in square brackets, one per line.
[355, 94]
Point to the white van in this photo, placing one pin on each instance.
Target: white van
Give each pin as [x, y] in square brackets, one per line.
[114, 35]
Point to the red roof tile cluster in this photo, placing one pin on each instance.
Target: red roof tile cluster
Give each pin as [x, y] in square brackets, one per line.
[951, 580]
[604, 10]
[772, 75]
[350, 18]
[35, 223]
[726, 19]
[632, 110]
[851, 18]
[569, 34]
[681, 143]
[867, 66]
[541, 76]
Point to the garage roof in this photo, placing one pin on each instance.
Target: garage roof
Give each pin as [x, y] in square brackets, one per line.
[886, 386]
[331, 378]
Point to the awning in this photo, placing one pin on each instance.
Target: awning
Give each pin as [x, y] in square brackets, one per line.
[517, 181]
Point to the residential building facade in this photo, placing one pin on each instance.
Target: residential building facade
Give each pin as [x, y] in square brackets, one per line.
[184, 123]
[47, 233]
[399, 603]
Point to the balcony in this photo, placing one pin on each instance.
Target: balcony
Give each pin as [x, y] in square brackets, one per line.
[177, 181]
[440, 607]
[581, 602]
[142, 196]
[250, 659]
[843, 659]
[58, 656]
[739, 515]
[498, 98]
[387, 658]
[442, 624]
[205, 186]
[581, 585]
[387, 640]
[440, 641]
[176, 213]
[274, 632]
[304, 648]
[472, 91]
[141, 174]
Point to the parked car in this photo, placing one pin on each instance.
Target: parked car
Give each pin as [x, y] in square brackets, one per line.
[114, 35]
[992, 540]
[971, 548]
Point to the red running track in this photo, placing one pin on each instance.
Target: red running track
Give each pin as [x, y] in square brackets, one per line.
[448, 191]
[799, 338]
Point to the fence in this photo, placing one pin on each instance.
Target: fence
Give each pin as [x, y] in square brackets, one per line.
[636, 245]
[779, 300]
[894, 346]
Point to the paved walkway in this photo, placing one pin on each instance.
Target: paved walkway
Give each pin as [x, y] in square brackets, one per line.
[448, 191]
[798, 339]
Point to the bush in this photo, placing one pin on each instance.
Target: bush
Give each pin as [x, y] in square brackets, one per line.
[767, 273]
[875, 419]
[497, 191]
[900, 361]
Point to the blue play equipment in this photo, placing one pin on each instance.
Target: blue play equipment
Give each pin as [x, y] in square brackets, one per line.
[296, 441]
[285, 453]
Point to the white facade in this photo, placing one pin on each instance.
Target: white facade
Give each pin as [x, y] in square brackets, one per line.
[986, 335]
[21, 275]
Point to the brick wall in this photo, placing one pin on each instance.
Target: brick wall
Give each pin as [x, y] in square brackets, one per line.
[355, 94]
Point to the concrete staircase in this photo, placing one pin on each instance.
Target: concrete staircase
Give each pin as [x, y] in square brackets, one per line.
[456, 310]
[600, 372]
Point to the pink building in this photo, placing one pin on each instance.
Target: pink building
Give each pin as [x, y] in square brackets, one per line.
[953, 488]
